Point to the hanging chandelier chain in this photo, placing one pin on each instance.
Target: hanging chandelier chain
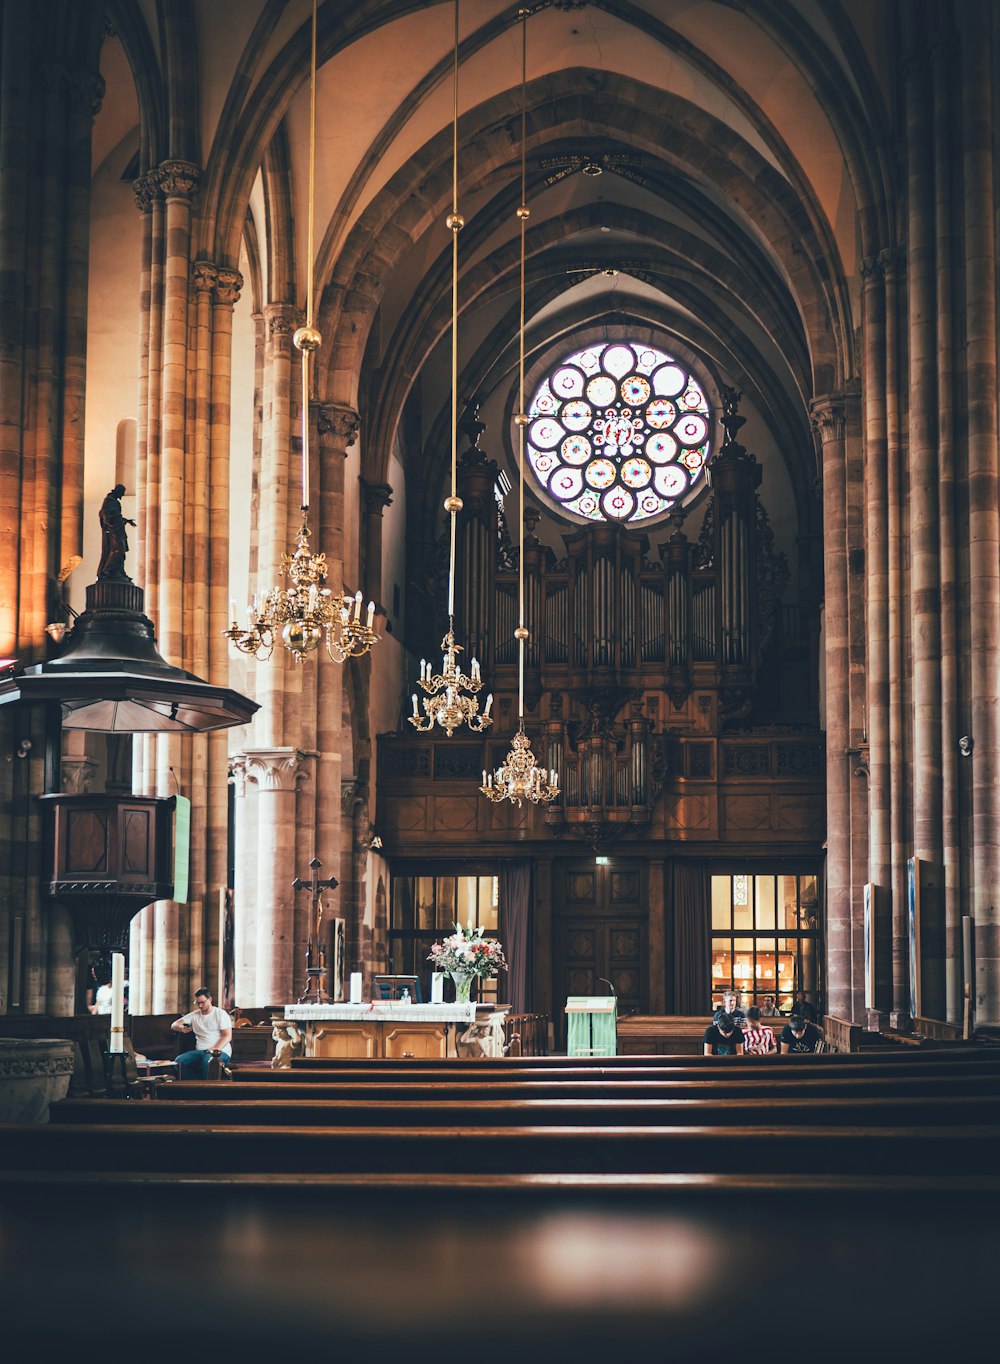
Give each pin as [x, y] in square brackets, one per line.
[445, 703]
[519, 778]
[307, 612]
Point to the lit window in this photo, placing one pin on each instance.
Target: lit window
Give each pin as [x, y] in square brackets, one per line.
[618, 432]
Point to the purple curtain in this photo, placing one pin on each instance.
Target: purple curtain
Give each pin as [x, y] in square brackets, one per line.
[515, 918]
[692, 955]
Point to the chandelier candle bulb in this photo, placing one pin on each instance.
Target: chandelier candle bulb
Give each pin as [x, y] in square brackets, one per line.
[371, 614]
[416, 713]
[232, 611]
[489, 705]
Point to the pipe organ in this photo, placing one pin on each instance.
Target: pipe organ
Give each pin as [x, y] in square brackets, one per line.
[639, 652]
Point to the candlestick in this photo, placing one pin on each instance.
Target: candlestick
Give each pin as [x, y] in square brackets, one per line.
[117, 1045]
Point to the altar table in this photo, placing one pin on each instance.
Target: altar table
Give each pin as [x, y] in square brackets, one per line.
[393, 1031]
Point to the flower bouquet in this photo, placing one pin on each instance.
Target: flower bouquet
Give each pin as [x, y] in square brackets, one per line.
[467, 955]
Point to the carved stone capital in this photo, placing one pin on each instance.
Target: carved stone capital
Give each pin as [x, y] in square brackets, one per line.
[77, 774]
[146, 190]
[281, 320]
[893, 260]
[228, 286]
[238, 775]
[86, 92]
[178, 179]
[828, 417]
[53, 79]
[872, 271]
[273, 769]
[340, 424]
[377, 496]
[204, 276]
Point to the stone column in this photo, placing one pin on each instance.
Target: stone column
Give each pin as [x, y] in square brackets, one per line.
[245, 882]
[275, 772]
[85, 91]
[226, 292]
[278, 492]
[15, 151]
[944, 78]
[924, 526]
[873, 323]
[375, 497]
[892, 261]
[828, 419]
[978, 113]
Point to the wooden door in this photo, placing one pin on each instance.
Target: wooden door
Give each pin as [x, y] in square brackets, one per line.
[600, 927]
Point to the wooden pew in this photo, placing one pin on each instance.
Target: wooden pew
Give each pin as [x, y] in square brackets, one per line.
[370, 1263]
[535, 1149]
[472, 1090]
[869, 1057]
[871, 1112]
[745, 1072]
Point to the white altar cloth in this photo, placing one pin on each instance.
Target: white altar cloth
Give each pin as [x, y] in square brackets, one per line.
[381, 1011]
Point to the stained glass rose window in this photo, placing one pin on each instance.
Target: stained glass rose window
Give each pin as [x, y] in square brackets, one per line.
[618, 432]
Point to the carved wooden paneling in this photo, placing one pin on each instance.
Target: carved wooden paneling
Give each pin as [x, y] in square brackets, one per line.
[747, 812]
[700, 761]
[406, 814]
[581, 886]
[86, 843]
[137, 843]
[581, 944]
[625, 886]
[456, 813]
[411, 761]
[804, 814]
[458, 762]
[746, 760]
[688, 812]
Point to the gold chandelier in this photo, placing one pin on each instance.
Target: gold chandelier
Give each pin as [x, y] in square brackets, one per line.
[451, 694]
[519, 778]
[306, 612]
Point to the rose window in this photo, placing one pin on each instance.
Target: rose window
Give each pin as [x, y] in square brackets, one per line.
[618, 432]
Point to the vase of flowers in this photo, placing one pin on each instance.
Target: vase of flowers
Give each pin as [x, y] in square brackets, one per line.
[467, 955]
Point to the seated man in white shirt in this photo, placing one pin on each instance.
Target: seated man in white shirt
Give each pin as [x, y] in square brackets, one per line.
[213, 1034]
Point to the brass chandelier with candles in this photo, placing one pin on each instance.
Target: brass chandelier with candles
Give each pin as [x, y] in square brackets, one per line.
[451, 695]
[306, 613]
[519, 778]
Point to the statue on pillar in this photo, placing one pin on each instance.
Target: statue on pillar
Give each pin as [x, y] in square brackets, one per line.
[114, 539]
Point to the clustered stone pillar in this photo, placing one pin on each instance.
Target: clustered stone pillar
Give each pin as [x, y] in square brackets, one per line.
[829, 418]
[182, 561]
[46, 116]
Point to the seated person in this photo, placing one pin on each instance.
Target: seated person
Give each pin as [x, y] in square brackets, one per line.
[769, 1009]
[731, 1005]
[213, 1033]
[723, 1038]
[799, 1035]
[802, 1007]
[758, 1038]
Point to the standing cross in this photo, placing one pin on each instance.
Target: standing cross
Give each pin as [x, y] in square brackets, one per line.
[315, 885]
[315, 974]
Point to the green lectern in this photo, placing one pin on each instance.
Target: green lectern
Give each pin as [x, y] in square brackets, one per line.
[592, 1025]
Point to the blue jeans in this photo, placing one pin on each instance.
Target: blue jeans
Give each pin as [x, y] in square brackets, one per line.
[193, 1065]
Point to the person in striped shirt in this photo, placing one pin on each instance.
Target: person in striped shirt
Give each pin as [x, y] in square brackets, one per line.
[758, 1038]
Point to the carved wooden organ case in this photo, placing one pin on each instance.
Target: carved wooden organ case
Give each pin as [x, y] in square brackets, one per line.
[641, 675]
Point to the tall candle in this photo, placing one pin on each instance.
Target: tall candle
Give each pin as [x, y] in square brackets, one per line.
[117, 1003]
[437, 987]
[967, 949]
[355, 987]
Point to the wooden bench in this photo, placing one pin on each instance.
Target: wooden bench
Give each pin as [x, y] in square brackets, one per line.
[623, 1111]
[535, 1149]
[366, 1262]
[472, 1090]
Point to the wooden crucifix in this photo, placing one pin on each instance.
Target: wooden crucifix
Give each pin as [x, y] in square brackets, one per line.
[315, 992]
